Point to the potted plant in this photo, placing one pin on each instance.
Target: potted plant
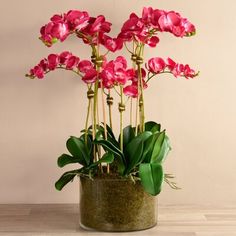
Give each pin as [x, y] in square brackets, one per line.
[120, 175]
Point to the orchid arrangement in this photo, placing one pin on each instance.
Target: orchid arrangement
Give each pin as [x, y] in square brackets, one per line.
[140, 149]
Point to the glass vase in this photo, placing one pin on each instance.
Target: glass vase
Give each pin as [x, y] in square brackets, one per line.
[115, 204]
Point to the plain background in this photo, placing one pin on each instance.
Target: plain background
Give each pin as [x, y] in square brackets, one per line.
[37, 116]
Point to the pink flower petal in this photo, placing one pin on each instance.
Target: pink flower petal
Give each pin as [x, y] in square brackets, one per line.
[44, 64]
[174, 18]
[72, 62]
[60, 31]
[156, 65]
[153, 41]
[57, 19]
[90, 76]
[120, 62]
[112, 44]
[85, 66]
[131, 91]
[64, 56]
[53, 61]
[170, 64]
[38, 72]
[147, 15]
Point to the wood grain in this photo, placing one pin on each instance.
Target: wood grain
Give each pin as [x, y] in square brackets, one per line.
[63, 219]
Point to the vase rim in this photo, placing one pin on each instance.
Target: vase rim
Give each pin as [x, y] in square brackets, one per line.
[109, 178]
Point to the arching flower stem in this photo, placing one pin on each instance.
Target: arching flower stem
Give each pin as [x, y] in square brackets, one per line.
[121, 110]
[110, 103]
[90, 95]
[141, 100]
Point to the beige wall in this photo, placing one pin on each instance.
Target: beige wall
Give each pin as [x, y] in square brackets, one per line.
[36, 117]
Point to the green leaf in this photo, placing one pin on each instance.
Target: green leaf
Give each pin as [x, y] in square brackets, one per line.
[134, 156]
[89, 141]
[110, 136]
[108, 158]
[152, 176]
[148, 147]
[66, 178]
[76, 146]
[65, 159]
[152, 126]
[108, 146]
[109, 131]
[165, 148]
[128, 135]
[157, 147]
[99, 135]
[134, 150]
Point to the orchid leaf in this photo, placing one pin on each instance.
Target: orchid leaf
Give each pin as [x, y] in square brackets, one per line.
[109, 131]
[66, 178]
[152, 126]
[65, 159]
[128, 135]
[108, 158]
[110, 135]
[108, 146]
[77, 148]
[165, 148]
[157, 147]
[148, 147]
[152, 177]
[134, 150]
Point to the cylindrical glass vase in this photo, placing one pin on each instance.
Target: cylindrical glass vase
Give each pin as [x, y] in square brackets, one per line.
[115, 204]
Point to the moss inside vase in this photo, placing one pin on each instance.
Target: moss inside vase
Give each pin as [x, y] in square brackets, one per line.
[113, 203]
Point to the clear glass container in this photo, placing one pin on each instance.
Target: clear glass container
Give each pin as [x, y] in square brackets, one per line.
[115, 204]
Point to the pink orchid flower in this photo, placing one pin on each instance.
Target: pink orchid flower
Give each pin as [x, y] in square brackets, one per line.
[90, 76]
[64, 60]
[156, 65]
[77, 20]
[112, 44]
[64, 56]
[53, 61]
[85, 66]
[131, 91]
[72, 62]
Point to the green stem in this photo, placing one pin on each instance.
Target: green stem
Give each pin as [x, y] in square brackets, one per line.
[163, 72]
[136, 115]
[110, 112]
[141, 105]
[127, 48]
[140, 84]
[86, 122]
[121, 117]
[104, 113]
[63, 68]
[135, 49]
[131, 111]
[95, 113]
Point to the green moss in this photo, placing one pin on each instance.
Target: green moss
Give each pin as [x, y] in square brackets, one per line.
[109, 203]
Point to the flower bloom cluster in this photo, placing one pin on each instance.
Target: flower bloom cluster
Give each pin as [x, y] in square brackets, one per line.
[113, 73]
[60, 26]
[116, 73]
[144, 29]
[158, 65]
[92, 30]
[64, 60]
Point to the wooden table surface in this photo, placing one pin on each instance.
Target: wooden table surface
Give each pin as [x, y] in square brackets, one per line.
[62, 219]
